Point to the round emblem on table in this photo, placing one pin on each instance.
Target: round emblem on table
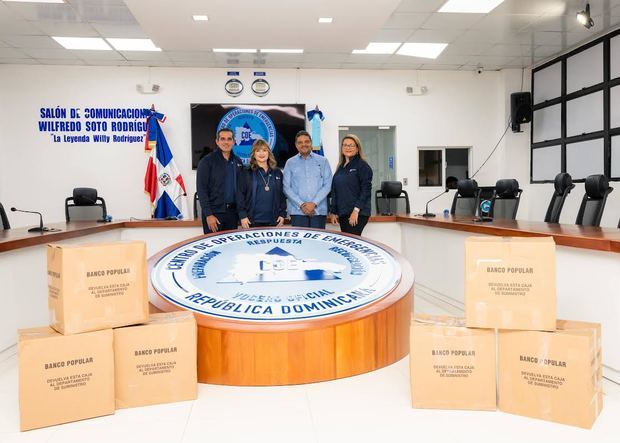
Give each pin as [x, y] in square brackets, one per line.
[260, 87]
[275, 274]
[248, 125]
[233, 87]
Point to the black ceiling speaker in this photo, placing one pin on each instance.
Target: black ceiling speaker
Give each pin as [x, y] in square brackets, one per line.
[520, 109]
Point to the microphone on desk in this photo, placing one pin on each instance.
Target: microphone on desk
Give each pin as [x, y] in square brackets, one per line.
[430, 214]
[40, 228]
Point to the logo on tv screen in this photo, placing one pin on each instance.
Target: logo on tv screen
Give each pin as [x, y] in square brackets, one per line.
[248, 125]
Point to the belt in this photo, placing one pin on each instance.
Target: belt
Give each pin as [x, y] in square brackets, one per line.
[230, 205]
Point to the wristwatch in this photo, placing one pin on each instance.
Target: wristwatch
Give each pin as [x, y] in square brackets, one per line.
[356, 209]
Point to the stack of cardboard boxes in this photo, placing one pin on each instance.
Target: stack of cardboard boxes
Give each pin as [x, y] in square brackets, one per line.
[510, 352]
[102, 351]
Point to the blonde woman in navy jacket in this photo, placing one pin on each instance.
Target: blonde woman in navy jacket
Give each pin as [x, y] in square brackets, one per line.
[261, 191]
[351, 187]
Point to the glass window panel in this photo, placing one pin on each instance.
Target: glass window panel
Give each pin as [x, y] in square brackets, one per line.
[615, 156]
[584, 114]
[547, 123]
[584, 158]
[430, 167]
[615, 57]
[548, 83]
[584, 69]
[546, 162]
[615, 107]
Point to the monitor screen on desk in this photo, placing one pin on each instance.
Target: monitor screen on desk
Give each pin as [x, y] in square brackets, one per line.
[276, 124]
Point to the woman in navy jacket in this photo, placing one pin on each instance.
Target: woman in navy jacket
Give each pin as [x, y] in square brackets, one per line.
[351, 187]
[261, 190]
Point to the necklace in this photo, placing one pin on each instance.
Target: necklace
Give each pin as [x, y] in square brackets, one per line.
[265, 181]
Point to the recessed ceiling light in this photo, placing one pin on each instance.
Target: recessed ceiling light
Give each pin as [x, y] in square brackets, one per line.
[235, 50]
[325, 19]
[378, 48]
[424, 50]
[92, 43]
[35, 1]
[133, 44]
[282, 51]
[470, 6]
[200, 18]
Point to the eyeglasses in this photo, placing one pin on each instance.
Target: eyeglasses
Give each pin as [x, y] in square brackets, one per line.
[349, 146]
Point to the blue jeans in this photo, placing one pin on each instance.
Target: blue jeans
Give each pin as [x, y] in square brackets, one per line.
[303, 221]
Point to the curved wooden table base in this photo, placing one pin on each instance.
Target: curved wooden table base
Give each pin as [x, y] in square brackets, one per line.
[242, 353]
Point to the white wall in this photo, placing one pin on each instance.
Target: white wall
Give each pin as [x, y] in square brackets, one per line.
[460, 109]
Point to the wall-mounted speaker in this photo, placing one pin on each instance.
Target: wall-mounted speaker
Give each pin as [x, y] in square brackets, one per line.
[520, 109]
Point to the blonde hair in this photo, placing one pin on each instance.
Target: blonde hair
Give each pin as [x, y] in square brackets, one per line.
[358, 143]
[261, 144]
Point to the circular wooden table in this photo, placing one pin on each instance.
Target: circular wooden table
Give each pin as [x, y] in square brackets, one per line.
[250, 353]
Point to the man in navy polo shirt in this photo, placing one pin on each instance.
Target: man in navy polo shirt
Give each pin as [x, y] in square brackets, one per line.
[216, 183]
[307, 182]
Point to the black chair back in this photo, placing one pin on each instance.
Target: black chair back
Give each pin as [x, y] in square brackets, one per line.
[391, 190]
[594, 200]
[197, 209]
[563, 185]
[466, 199]
[4, 220]
[505, 201]
[85, 205]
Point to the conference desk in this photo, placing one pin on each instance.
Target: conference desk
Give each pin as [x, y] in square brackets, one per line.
[588, 264]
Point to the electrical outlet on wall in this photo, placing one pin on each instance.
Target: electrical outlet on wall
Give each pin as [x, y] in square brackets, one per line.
[405, 181]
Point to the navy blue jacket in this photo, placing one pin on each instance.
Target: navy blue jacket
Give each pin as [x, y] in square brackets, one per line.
[211, 181]
[351, 188]
[246, 190]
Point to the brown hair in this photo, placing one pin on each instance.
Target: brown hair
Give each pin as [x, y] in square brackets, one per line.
[261, 144]
[358, 143]
[301, 134]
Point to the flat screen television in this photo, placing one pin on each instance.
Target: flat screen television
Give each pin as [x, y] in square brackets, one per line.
[276, 124]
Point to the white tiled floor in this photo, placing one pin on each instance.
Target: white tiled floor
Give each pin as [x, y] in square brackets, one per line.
[372, 407]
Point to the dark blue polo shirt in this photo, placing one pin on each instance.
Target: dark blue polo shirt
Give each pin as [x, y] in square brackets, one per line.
[351, 188]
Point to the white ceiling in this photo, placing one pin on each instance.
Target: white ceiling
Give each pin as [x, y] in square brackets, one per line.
[518, 33]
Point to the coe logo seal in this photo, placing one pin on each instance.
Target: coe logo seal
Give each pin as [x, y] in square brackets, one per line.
[248, 125]
[275, 274]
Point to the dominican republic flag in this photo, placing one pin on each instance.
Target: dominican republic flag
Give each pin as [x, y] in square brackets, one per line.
[163, 181]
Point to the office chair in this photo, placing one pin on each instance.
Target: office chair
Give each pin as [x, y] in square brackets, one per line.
[563, 185]
[197, 209]
[4, 219]
[466, 199]
[593, 203]
[505, 200]
[389, 191]
[85, 205]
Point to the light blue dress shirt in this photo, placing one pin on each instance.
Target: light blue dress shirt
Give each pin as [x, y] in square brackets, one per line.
[307, 180]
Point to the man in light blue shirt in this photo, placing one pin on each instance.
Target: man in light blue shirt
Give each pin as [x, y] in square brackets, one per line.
[307, 182]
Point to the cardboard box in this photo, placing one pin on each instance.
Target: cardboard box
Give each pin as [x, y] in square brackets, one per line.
[452, 367]
[555, 376]
[96, 286]
[64, 378]
[156, 362]
[510, 283]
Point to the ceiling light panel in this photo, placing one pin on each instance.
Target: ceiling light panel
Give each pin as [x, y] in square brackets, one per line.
[282, 51]
[90, 43]
[235, 50]
[423, 50]
[200, 18]
[35, 1]
[325, 19]
[378, 48]
[133, 44]
[470, 6]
